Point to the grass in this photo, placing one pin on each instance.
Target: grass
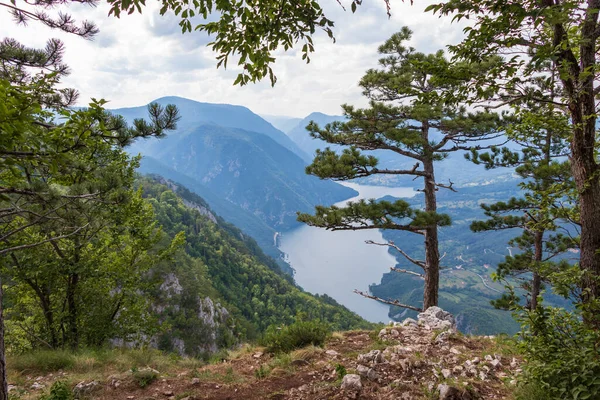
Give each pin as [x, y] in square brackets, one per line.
[86, 361]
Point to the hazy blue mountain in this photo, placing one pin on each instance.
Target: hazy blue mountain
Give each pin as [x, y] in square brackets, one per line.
[245, 168]
[194, 113]
[281, 122]
[302, 138]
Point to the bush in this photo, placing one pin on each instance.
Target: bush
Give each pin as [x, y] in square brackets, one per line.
[59, 391]
[562, 353]
[145, 376]
[295, 336]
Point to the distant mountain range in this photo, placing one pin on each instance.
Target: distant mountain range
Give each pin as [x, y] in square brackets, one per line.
[248, 171]
[283, 123]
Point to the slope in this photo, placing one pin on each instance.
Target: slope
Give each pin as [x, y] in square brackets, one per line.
[220, 263]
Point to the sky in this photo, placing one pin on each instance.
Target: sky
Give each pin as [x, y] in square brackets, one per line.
[142, 57]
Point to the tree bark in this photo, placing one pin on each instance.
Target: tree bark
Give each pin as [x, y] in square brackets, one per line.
[73, 332]
[579, 88]
[432, 253]
[3, 372]
[536, 281]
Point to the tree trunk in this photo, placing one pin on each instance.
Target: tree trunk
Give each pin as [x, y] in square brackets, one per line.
[3, 372]
[579, 88]
[536, 282]
[73, 332]
[585, 172]
[432, 253]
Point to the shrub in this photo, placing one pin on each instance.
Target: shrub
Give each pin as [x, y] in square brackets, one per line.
[295, 336]
[145, 376]
[562, 353]
[59, 391]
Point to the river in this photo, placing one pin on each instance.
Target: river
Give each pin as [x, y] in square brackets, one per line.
[336, 263]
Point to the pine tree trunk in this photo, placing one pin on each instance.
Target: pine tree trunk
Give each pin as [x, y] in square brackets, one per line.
[585, 172]
[536, 282]
[579, 84]
[3, 372]
[432, 253]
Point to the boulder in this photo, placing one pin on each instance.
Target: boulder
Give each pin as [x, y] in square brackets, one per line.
[436, 318]
[351, 383]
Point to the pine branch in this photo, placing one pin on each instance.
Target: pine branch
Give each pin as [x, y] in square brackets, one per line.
[390, 302]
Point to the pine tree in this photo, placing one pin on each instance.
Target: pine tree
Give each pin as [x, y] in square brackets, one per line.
[413, 112]
[541, 131]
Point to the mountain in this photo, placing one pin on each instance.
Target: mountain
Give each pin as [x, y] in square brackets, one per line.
[247, 169]
[257, 168]
[281, 122]
[302, 138]
[194, 113]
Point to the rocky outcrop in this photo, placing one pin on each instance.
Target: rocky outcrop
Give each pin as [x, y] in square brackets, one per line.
[436, 318]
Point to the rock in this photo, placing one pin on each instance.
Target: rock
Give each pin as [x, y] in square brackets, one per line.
[37, 386]
[83, 388]
[496, 363]
[372, 374]
[442, 338]
[458, 370]
[436, 318]
[448, 392]
[446, 373]
[351, 383]
[382, 333]
[195, 381]
[168, 393]
[514, 364]
[476, 360]
[482, 375]
[362, 370]
[332, 353]
[488, 357]
[456, 351]
[394, 333]
[374, 357]
[409, 322]
[258, 354]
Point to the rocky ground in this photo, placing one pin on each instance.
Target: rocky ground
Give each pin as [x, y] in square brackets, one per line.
[416, 360]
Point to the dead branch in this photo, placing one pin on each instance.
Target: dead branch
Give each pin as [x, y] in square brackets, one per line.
[390, 302]
[405, 271]
[448, 186]
[399, 250]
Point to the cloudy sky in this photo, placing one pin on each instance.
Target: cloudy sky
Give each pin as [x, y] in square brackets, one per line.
[138, 58]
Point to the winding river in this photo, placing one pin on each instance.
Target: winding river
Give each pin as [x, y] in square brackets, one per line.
[336, 263]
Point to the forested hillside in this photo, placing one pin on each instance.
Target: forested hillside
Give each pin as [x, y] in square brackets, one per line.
[218, 259]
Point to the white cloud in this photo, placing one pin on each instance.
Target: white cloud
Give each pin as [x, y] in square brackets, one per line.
[138, 58]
